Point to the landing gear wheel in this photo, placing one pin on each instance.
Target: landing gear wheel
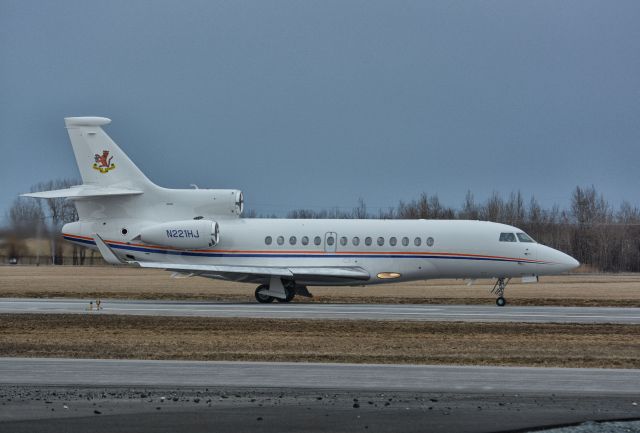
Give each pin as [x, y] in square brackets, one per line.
[498, 290]
[263, 299]
[291, 293]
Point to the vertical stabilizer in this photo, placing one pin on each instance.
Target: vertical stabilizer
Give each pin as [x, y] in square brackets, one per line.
[100, 161]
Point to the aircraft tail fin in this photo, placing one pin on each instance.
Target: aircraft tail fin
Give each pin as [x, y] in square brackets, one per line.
[100, 161]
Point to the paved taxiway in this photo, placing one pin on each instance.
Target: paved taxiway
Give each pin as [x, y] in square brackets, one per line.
[466, 313]
[51, 395]
[79, 372]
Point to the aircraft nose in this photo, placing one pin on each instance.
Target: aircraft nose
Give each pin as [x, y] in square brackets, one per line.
[570, 262]
[559, 262]
[565, 261]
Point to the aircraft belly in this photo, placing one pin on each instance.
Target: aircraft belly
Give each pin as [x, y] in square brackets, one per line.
[485, 269]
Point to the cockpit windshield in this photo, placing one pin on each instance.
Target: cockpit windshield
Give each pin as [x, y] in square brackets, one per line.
[507, 237]
[523, 237]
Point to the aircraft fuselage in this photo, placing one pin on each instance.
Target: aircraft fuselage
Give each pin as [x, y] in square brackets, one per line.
[412, 249]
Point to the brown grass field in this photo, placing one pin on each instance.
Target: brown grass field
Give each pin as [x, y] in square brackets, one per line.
[105, 336]
[133, 283]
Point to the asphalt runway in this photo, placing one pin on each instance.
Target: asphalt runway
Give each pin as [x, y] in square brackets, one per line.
[431, 378]
[51, 395]
[464, 313]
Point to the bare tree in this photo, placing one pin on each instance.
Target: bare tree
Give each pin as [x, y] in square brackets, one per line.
[587, 207]
[513, 209]
[426, 207]
[628, 214]
[59, 211]
[250, 213]
[493, 208]
[360, 211]
[470, 210]
[25, 215]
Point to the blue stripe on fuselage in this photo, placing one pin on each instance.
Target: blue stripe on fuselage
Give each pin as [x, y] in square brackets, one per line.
[289, 255]
[80, 241]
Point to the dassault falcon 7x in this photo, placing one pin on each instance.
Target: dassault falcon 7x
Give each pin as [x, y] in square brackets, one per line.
[201, 232]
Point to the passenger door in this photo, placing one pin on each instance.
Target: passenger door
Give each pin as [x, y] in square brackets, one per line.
[330, 241]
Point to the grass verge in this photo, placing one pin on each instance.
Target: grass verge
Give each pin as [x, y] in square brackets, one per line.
[108, 282]
[132, 337]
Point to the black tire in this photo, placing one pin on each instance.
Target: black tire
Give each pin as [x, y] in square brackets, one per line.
[501, 302]
[263, 299]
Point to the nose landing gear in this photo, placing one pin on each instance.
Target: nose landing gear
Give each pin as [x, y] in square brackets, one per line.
[498, 289]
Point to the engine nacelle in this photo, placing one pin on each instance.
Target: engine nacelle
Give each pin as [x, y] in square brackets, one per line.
[185, 235]
[226, 201]
[221, 203]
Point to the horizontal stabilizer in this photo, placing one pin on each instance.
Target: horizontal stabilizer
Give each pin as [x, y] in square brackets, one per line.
[83, 191]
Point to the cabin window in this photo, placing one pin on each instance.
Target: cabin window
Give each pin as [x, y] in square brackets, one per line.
[305, 240]
[405, 241]
[430, 241]
[280, 240]
[268, 240]
[292, 240]
[393, 241]
[417, 242]
[367, 241]
[317, 240]
[330, 240]
[380, 241]
[355, 241]
[343, 241]
[523, 237]
[507, 237]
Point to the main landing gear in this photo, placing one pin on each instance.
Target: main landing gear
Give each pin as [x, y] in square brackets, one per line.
[263, 298]
[279, 291]
[498, 289]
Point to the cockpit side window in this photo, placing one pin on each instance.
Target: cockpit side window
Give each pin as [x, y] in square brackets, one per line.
[507, 237]
[523, 237]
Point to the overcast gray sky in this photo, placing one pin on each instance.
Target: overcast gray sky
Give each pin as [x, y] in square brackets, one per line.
[317, 103]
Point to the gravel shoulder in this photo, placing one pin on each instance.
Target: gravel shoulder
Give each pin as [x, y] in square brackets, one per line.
[141, 409]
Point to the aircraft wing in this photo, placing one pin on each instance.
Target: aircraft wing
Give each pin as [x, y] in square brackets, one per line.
[258, 273]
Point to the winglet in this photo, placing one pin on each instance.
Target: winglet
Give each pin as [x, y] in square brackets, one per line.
[107, 254]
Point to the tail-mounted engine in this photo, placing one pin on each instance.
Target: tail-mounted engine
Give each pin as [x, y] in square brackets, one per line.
[218, 203]
[185, 235]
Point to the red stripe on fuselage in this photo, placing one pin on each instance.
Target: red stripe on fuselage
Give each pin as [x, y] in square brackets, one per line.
[311, 253]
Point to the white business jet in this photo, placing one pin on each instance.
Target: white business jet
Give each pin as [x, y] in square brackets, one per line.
[201, 232]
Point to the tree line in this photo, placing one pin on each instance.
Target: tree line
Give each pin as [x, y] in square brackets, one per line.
[42, 220]
[590, 229]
